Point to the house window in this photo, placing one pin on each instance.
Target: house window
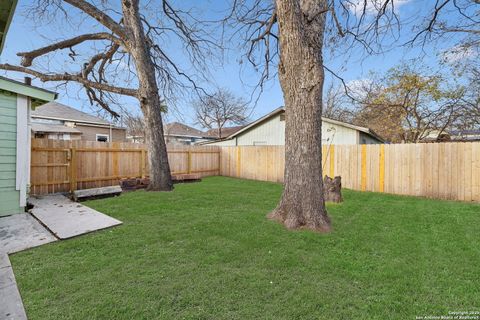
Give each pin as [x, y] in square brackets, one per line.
[102, 137]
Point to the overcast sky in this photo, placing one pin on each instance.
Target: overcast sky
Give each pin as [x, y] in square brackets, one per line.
[26, 34]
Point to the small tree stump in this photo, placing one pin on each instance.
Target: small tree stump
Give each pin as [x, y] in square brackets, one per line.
[332, 189]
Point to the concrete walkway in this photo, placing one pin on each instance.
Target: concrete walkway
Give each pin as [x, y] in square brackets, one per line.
[67, 219]
[11, 306]
[62, 217]
[22, 231]
[17, 232]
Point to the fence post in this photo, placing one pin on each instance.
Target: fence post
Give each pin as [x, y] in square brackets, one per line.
[142, 164]
[238, 161]
[364, 167]
[382, 168]
[219, 162]
[332, 161]
[73, 169]
[189, 162]
[115, 163]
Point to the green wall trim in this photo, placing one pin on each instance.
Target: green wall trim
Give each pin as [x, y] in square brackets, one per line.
[39, 96]
[9, 196]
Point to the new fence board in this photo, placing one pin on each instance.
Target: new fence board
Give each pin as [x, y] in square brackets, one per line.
[438, 170]
[63, 166]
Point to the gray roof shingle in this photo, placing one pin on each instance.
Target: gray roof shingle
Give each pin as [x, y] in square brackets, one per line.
[53, 128]
[180, 129]
[213, 133]
[55, 110]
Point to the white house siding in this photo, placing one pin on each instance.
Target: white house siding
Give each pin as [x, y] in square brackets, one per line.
[224, 143]
[335, 134]
[23, 148]
[272, 132]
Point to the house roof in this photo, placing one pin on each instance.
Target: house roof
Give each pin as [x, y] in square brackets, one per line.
[366, 130]
[37, 95]
[58, 111]
[213, 133]
[465, 132]
[7, 8]
[180, 129]
[282, 110]
[53, 128]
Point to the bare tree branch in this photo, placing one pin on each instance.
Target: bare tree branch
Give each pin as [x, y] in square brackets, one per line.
[461, 30]
[70, 77]
[100, 16]
[217, 110]
[94, 98]
[28, 57]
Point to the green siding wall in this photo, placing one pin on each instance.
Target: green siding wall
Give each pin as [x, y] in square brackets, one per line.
[9, 197]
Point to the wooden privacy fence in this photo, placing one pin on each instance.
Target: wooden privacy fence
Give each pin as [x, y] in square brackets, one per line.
[436, 170]
[63, 166]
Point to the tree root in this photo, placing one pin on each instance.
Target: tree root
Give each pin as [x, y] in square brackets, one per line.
[293, 219]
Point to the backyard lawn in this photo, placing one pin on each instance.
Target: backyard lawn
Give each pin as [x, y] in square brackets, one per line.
[206, 251]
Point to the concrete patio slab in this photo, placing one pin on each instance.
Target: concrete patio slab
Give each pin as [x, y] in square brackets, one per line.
[22, 231]
[4, 261]
[67, 219]
[11, 306]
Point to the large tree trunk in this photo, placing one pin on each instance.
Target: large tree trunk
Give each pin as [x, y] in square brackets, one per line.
[160, 178]
[302, 25]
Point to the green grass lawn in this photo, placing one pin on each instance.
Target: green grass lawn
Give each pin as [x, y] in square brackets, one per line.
[206, 251]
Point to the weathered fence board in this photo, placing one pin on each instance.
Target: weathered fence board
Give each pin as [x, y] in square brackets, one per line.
[67, 165]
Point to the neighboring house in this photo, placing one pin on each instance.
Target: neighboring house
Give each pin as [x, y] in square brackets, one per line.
[16, 102]
[433, 136]
[270, 130]
[179, 133]
[452, 136]
[60, 122]
[227, 131]
[465, 135]
[135, 138]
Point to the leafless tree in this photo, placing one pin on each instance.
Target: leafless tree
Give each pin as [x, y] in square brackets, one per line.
[135, 125]
[337, 105]
[449, 17]
[217, 110]
[462, 62]
[127, 56]
[295, 34]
